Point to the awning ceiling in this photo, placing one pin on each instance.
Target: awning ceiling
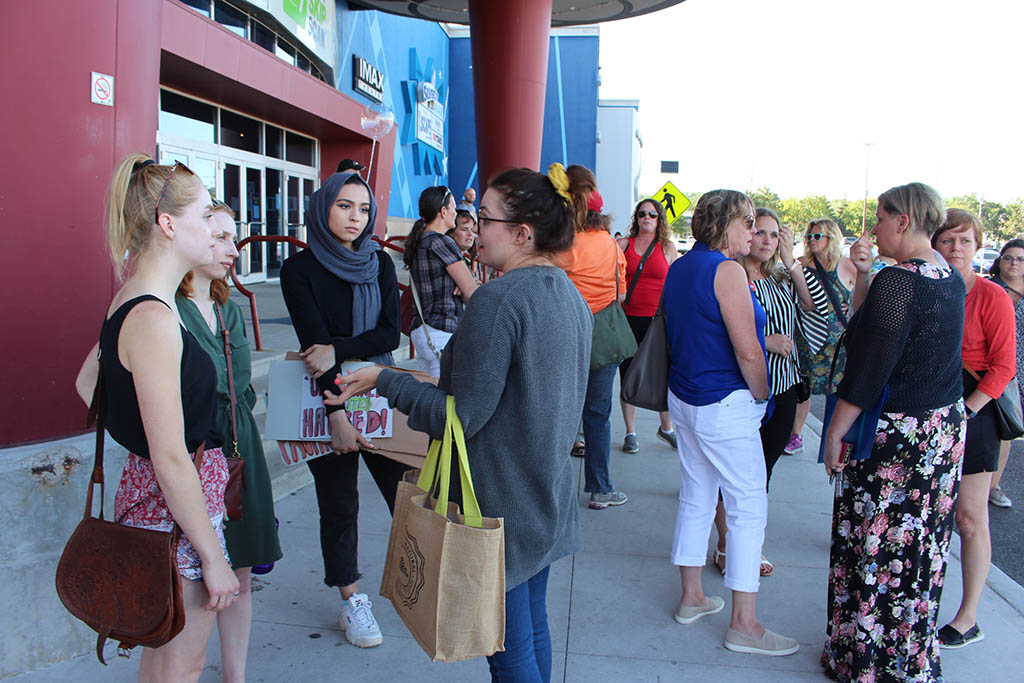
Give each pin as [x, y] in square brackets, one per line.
[563, 12]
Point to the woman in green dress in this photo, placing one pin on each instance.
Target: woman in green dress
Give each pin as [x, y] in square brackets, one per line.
[203, 304]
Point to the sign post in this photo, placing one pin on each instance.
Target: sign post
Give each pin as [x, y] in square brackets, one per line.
[674, 201]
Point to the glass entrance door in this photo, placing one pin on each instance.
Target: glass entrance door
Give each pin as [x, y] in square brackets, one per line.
[242, 187]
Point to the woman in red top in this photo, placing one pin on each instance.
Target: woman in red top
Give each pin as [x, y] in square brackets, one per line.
[989, 352]
[647, 230]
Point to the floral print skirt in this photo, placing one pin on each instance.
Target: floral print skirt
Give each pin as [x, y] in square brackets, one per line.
[139, 502]
[891, 527]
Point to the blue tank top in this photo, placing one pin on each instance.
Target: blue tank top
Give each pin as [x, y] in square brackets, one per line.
[703, 367]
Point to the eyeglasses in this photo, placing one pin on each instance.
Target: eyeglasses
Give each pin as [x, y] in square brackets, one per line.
[1012, 259]
[816, 236]
[163, 190]
[484, 220]
[646, 214]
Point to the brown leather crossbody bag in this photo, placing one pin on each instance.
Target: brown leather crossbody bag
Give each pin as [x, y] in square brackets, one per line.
[122, 581]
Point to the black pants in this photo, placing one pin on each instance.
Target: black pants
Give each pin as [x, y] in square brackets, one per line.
[776, 431]
[337, 496]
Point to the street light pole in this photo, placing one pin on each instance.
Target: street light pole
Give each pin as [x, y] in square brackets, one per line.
[864, 213]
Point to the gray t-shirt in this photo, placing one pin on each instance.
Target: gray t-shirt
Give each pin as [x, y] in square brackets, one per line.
[517, 366]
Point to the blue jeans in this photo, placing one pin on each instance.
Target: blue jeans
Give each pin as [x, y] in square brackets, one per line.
[597, 429]
[527, 655]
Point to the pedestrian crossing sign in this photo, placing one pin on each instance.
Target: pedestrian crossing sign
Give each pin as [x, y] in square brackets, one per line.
[674, 201]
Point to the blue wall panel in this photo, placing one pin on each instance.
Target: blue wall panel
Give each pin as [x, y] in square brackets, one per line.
[570, 108]
[407, 50]
[385, 40]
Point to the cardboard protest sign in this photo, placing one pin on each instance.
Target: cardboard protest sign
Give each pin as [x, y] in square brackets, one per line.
[297, 420]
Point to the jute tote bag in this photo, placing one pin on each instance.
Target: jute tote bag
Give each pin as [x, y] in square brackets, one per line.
[445, 568]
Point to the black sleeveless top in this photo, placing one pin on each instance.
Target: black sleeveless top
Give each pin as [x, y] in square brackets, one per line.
[198, 389]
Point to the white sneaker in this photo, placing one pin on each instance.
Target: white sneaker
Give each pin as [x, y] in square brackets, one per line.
[357, 621]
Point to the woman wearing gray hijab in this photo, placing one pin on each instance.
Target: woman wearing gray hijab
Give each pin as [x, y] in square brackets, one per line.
[342, 296]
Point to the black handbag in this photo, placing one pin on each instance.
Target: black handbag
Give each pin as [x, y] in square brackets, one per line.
[645, 383]
[1009, 419]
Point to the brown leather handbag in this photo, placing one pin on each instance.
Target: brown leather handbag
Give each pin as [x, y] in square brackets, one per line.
[122, 581]
[236, 463]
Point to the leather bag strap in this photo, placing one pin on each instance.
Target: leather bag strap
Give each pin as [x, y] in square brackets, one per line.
[830, 292]
[97, 414]
[971, 372]
[231, 379]
[636, 275]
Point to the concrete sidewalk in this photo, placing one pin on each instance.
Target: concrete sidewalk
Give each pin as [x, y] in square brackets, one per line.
[610, 605]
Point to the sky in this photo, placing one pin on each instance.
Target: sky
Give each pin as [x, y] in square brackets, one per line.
[788, 93]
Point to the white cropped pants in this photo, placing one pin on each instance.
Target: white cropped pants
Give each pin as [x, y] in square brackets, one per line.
[720, 450]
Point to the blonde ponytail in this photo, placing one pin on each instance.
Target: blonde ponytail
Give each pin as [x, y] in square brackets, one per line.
[131, 205]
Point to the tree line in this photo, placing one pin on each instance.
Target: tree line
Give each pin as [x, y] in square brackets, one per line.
[1002, 221]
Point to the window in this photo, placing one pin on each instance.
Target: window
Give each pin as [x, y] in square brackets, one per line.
[231, 18]
[302, 62]
[187, 118]
[285, 52]
[263, 36]
[201, 6]
[239, 131]
[273, 146]
[299, 149]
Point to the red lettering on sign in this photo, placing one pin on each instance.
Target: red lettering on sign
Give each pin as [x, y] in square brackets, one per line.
[307, 422]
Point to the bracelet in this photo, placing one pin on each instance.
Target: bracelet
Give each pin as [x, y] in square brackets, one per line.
[760, 401]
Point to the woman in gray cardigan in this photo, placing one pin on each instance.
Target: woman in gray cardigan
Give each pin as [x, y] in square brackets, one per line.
[517, 366]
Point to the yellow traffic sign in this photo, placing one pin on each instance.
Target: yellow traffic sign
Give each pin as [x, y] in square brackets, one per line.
[674, 201]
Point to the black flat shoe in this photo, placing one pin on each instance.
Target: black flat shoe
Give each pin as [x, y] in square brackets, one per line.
[951, 639]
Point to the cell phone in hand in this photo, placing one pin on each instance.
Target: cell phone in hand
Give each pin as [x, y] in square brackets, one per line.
[845, 449]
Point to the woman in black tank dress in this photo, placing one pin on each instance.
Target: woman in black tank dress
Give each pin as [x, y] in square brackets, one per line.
[161, 392]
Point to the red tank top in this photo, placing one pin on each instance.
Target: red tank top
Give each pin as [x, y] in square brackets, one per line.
[647, 293]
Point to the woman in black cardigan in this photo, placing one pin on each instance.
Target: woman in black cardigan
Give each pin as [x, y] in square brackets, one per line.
[342, 296]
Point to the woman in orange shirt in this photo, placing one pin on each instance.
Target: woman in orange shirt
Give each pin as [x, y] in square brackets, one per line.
[597, 267]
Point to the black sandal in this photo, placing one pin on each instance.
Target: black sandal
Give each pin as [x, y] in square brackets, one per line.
[578, 450]
[951, 639]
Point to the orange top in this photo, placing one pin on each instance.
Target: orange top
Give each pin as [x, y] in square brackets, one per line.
[592, 264]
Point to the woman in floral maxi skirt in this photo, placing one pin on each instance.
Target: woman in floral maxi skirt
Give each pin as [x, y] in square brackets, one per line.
[892, 517]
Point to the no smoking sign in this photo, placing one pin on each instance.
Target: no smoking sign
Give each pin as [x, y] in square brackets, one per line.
[102, 90]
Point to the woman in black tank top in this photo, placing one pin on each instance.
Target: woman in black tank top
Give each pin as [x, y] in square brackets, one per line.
[161, 393]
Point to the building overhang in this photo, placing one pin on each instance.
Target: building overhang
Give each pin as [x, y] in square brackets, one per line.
[563, 12]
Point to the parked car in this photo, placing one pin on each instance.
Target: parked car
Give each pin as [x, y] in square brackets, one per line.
[984, 259]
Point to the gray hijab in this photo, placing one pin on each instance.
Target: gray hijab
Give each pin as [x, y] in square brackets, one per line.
[357, 266]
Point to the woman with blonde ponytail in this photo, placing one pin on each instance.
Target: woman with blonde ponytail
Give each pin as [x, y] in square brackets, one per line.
[160, 390]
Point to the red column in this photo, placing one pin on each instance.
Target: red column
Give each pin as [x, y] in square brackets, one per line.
[60, 150]
[510, 68]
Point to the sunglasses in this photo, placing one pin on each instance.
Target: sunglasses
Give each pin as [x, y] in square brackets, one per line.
[646, 214]
[163, 190]
[816, 236]
[749, 220]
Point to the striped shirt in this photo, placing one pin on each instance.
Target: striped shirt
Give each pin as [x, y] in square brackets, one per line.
[779, 300]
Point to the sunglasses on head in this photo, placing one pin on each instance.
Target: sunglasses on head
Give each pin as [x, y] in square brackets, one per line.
[646, 214]
[816, 235]
[163, 190]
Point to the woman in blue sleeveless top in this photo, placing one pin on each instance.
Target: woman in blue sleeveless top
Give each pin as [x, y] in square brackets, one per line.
[718, 391]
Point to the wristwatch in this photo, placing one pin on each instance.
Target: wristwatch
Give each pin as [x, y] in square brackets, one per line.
[971, 413]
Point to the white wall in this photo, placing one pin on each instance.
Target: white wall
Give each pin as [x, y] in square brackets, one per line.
[618, 159]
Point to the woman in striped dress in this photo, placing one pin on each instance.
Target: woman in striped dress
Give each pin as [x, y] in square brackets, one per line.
[779, 285]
